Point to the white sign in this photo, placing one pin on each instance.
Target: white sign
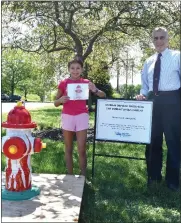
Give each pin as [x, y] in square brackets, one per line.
[78, 91]
[124, 120]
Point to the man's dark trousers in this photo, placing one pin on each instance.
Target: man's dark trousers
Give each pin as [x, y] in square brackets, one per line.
[166, 119]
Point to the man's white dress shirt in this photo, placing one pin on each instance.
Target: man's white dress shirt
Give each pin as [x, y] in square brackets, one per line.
[169, 74]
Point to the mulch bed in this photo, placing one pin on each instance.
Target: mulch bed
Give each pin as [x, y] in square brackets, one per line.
[56, 134]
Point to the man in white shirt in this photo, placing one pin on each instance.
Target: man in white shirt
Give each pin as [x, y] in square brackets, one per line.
[161, 83]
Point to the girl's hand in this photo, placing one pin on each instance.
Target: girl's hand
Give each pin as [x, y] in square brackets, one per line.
[64, 99]
[92, 87]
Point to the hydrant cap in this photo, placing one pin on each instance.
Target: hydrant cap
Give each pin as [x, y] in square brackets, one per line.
[19, 118]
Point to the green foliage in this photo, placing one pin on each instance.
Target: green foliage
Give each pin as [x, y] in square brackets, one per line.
[107, 88]
[147, 52]
[28, 73]
[101, 79]
[116, 94]
[33, 97]
[53, 95]
[174, 40]
[16, 71]
[3, 132]
[98, 73]
[4, 117]
[129, 91]
[45, 69]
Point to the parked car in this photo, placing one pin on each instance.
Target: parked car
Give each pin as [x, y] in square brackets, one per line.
[4, 97]
[15, 98]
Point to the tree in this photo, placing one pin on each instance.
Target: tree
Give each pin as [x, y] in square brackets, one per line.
[16, 68]
[28, 73]
[129, 91]
[75, 27]
[45, 72]
[78, 28]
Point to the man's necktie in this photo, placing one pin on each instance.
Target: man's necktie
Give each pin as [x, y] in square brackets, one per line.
[156, 75]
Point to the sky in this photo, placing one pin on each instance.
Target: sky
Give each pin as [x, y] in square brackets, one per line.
[135, 53]
[122, 80]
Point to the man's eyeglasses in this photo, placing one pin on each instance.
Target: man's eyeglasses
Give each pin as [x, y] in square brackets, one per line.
[157, 37]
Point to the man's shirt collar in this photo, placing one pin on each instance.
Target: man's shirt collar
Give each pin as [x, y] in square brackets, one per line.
[164, 52]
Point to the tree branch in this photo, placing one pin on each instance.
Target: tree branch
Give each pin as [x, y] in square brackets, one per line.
[67, 30]
[60, 48]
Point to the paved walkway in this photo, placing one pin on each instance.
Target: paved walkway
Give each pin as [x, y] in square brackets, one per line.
[59, 200]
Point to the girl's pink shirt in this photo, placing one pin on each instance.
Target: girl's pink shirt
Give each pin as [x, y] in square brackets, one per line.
[73, 107]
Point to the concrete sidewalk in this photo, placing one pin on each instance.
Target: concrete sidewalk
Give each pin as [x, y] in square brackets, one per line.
[59, 200]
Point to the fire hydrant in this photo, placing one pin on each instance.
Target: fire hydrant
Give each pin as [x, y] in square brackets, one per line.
[17, 146]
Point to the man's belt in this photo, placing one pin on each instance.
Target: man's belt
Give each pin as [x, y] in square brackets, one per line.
[151, 94]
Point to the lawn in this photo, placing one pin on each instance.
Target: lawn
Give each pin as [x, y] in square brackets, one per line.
[118, 192]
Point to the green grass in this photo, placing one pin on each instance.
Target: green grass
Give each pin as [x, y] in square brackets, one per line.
[33, 97]
[47, 118]
[118, 192]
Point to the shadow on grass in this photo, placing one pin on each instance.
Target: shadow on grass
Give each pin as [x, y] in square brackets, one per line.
[119, 194]
[88, 204]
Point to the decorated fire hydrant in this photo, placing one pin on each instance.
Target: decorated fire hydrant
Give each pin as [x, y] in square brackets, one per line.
[78, 92]
[17, 146]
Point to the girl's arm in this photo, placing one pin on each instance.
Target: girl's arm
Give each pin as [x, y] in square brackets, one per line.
[59, 99]
[96, 91]
[99, 93]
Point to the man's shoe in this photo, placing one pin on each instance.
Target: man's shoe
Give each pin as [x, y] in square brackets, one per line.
[173, 187]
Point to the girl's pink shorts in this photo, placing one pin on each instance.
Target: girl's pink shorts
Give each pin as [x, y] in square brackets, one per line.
[75, 123]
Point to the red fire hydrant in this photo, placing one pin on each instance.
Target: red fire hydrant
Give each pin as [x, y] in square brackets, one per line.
[17, 146]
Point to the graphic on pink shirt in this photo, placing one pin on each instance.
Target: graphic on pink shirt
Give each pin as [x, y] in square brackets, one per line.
[78, 92]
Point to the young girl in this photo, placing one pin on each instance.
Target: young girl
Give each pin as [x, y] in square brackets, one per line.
[75, 116]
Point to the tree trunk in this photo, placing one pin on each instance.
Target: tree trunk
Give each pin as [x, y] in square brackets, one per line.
[25, 94]
[12, 85]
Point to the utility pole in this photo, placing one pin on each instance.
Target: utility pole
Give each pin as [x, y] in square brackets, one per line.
[132, 66]
[126, 73]
[126, 63]
[129, 61]
[118, 74]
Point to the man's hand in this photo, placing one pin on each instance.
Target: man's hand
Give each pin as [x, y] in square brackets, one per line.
[140, 97]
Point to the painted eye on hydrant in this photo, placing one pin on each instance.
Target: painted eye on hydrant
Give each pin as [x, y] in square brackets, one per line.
[14, 148]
